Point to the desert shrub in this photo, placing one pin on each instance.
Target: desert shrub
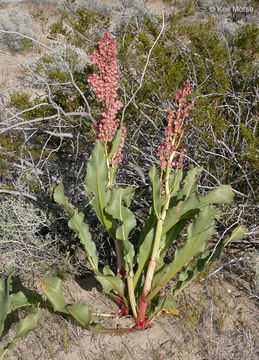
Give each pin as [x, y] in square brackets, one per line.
[51, 67]
[41, 2]
[104, 8]
[7, 2]
[15, 19]
[26, 244]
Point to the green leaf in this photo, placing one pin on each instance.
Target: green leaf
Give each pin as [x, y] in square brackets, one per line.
[111, 283]
[5, 305]
[171, 235]
[120, 198]
[115, 144]
[221, 195]
[24, 327]
[174, 181]
[237, 234]
[164, 304]
[96, 182]
[19, 300]
[192, 271]
[190, 183]
[198, 233]
[145, 245]
[77, 224]
[156, 187]
[80, 312]
[57, 193]
[52, 289]
[107, 270]
[117, 208]
[165, 243]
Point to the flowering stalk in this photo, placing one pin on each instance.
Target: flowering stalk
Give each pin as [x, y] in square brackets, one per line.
[167, 155]
[105, 86]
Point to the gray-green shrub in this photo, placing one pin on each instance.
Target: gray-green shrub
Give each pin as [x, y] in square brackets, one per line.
[19, 20]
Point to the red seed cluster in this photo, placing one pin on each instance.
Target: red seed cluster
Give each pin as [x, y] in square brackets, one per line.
[174, 131]
[105, 86]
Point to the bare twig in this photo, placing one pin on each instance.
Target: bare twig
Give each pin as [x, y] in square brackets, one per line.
[144, 70]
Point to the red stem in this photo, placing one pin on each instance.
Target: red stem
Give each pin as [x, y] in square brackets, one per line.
[142, 306]
[124, 310]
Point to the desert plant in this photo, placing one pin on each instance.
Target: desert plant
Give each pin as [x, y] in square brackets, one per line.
[15, 20]
[27, 244]
[11, 302]
[142, 270]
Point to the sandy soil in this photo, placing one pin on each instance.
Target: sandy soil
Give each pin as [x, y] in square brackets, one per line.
[232, 333]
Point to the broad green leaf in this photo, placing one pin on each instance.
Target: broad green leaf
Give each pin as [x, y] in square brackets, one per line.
[192, 271]
[174, 181]
[190, 183]
[115, 144]
[164, 304]
[5, 305]
[166, 242]
[77, 224]
[18, 300]
[145, 245]
[24, 327]
[27, 324]
[52, 289]
[118, 208]
[171, 235]
[80, 312]
[198, 233]
[237, 234]
[57, 193]
[156, 187]
[221, 195]
[107, 270]
[120, 198]
[111, 283]
[96, 182]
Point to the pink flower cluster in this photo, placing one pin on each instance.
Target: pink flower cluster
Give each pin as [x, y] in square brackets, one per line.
[174, 131]
[105, 86]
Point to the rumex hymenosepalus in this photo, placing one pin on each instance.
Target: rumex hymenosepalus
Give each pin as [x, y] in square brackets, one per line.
[141, 270]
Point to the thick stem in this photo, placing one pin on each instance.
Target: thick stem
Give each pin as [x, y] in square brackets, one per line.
[141, 312]
[131, 294]
[123, 307]
[153, 260]
[155, 252]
